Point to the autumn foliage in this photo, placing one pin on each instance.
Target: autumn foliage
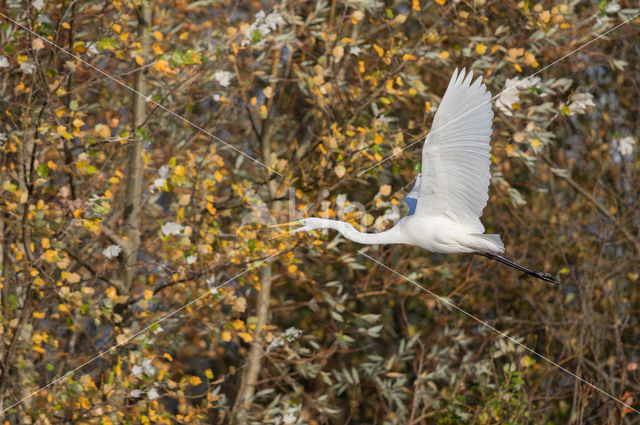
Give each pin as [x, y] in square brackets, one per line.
[161, 298]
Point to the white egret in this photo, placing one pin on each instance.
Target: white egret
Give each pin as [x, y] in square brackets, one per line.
[449, 195]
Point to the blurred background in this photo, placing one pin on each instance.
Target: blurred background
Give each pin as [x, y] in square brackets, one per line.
[116, 210]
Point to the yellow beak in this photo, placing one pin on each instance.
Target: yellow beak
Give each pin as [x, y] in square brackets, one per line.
[281, 235]
[291, 223]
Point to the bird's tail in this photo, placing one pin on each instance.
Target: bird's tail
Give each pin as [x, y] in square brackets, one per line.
[540, 275]
[490, 243]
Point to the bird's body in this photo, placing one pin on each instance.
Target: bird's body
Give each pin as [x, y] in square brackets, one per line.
[450, 193]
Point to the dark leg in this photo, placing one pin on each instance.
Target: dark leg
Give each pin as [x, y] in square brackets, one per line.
[540, 275]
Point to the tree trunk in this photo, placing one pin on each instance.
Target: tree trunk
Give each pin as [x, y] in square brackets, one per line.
[134, 184]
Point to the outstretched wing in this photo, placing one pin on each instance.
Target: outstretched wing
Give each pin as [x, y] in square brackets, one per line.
[455, 155]
[412, 197]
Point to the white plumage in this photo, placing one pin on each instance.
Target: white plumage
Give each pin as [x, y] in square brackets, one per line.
[449, 195]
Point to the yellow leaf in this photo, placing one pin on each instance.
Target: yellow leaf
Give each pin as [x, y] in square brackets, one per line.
[139, 61]
[563, 270]
[481, 48]
[440, 2]
[111, 293]
[240, 305]
[45, 243]
[183, 36]
[162, 66]
[50, 256]
[72, 277]
[63, 308]
[361, 66]
[379, 49]
[180, 170]
[157, 35]
[444, 54]
[377, 139]
[208, 373]
[517, 67]
[78, 123]
[408, 57]
[226, 336]
[195, 380]
[38, 315]
[218, 176]
[148, 294]
[66, 25]
[292, 268]
[415, 5]
[545, 16]
[245, 337]
[102, 131]
[238, 324]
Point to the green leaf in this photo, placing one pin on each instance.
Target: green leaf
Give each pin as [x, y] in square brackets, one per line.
[256, 37]
[107, 43]
[43, 171]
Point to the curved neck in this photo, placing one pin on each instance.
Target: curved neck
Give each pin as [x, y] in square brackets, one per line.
[390, 236]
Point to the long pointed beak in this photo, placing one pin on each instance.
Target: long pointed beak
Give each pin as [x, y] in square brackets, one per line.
[286, 233]
[281, 235]
[291, 223]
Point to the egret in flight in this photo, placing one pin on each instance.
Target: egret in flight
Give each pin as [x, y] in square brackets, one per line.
[449, 195]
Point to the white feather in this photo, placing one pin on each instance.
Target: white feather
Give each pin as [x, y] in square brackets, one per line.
[455, 155]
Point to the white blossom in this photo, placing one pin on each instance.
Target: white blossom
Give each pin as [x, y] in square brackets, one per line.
[341, 199]
[290, 417]
[217, 97]
[4, 62]
[292, 333]
[223, 78]
[580, 102]
[511, 93]
[112, 251]
[612, 7]
[136, 371]
[153, 394]
[135, 393]
[163, 172]
[172, 228]
[625, 146]
[264, 25]
[27, 67]
[149, 370]
[38, 4]
[355, 50]
[275, 343]
[92, 48]
[191, 259]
